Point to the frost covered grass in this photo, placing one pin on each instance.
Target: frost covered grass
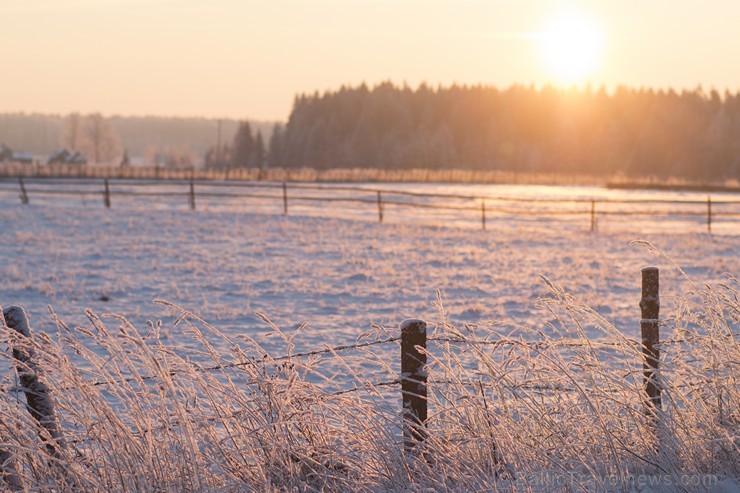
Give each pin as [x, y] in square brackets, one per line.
[510, 406]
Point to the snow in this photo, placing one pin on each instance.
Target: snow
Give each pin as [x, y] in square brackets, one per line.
[337, 276]
[335, 273]
[413, 324]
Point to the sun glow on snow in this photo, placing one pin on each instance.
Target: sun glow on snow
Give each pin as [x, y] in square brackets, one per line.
[572, 46]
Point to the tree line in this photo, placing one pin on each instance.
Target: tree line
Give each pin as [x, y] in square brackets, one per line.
[635, 132]
[247, 150]
[149, 140]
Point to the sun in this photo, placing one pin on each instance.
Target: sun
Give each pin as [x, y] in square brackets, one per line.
[572, 46]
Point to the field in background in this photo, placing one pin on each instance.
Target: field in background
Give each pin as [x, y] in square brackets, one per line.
[255, 282]
[234, 257]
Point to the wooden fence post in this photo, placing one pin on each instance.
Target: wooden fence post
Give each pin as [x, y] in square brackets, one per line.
[483, 214]
[192, 195]
[285, 198]
[24, 195]
[106, 195]
[8, 467]
[709, 214]
[593, 215]
[650, 308]
[38, 396]
[413, 382]
[380, 208]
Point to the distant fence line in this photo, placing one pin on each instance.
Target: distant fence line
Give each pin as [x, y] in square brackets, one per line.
[287, 193]
[367, 174]
[302, 174]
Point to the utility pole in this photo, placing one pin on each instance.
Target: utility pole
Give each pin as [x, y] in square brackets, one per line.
[218, 144]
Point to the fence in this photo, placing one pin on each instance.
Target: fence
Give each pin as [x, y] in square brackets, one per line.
[13, 170]
[385, 203]
[413, 379]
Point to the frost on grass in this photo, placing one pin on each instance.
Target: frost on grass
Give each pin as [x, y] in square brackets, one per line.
[509, 407]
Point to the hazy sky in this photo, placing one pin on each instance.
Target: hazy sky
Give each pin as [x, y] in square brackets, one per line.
[248, 59]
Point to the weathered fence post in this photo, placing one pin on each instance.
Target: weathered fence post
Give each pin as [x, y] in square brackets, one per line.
[24, 194]
[285, 198]
[413, 382]
[192, 195]
[709, 214]
[106, 194]
[380, 207]
[593, 215]
[650, 308]
[8, 467]
[483, 214]
[38, 396]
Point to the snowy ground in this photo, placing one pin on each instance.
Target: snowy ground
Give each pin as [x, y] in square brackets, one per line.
[339, 276]
[504, 206]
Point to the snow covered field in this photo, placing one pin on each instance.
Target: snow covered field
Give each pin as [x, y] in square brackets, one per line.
[338, 276]
[335, 277]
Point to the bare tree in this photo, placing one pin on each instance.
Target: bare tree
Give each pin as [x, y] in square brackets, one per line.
[101, 143]
[71, 132]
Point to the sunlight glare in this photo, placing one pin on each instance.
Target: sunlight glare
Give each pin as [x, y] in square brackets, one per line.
[572, 46]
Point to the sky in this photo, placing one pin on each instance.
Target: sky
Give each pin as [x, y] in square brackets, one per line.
[249, 58]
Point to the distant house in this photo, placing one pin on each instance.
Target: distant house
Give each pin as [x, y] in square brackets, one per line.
[7, 155]
[63, 156]
[58, 157]
[22, 157]
[76, 158]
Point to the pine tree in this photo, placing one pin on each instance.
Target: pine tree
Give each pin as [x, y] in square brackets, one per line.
[275, 153]
[125, 161]
[244, 146]
[258, 153]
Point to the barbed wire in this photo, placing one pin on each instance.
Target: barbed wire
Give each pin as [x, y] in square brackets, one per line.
[265, 357]
[331, 350]
[566, 343]
[625, 343]
[534, 345]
